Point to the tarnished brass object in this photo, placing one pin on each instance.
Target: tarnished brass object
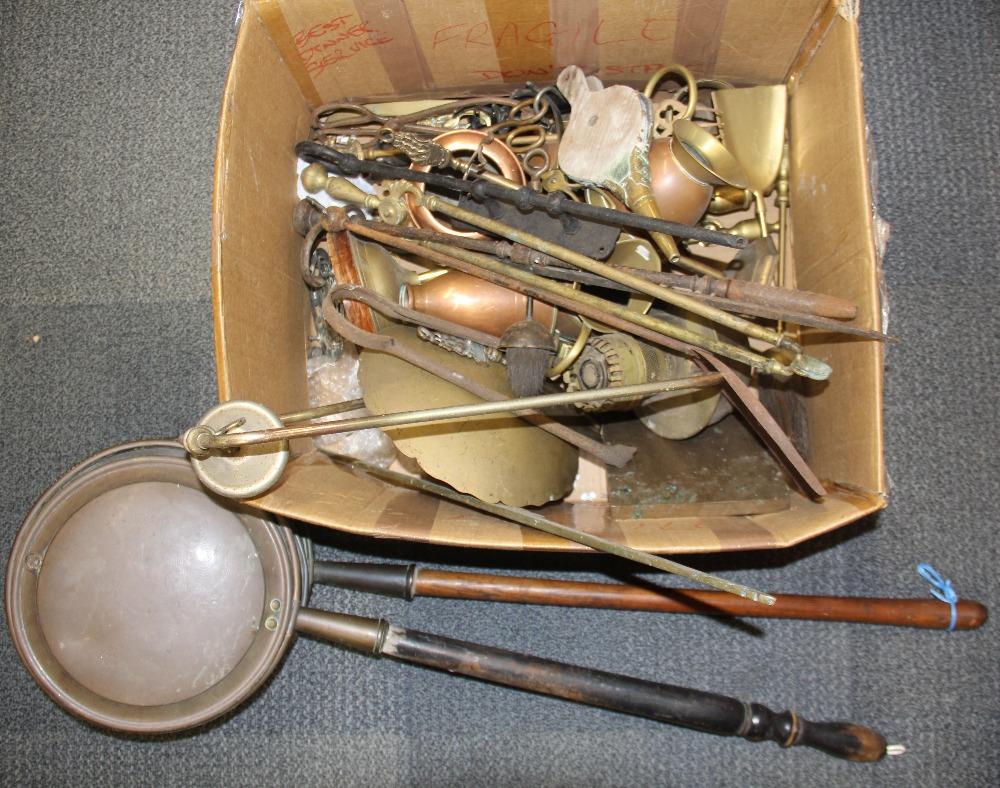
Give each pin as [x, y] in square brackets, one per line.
[781, 199]
[424, 152]
[616, 359]
[683, 414]
[478, 143]
[497, 458]
[703, 156]
[631, 253]
[727, 199]
[244, 472]
[682, 105]
[686, 76]
[757, 262]
[753, 126]
[752, 121]
[613, 360]
[146, 607]
[389, 207]
[420, 150]
[747, 228]
[314, 178]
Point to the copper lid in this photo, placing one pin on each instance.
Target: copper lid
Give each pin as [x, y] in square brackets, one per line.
[132, 575]
[142, 603]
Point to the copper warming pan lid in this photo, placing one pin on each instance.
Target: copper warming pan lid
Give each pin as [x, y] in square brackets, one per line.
[140, 602]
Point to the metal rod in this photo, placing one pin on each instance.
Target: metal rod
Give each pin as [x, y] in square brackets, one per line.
[323, 410]
[233, 440]
[809, 367]
[524, 198]
[532, 520]
[818, 304]
[727, 303]
[584, 303]
[798, 318]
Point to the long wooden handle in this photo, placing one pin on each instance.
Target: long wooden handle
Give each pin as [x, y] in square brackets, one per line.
[411, 581]
[691, 708]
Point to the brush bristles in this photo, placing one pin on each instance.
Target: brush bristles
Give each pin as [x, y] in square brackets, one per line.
[526, 368]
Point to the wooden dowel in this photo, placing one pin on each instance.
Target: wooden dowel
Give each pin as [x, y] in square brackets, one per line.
[408, 581]
[925, 613]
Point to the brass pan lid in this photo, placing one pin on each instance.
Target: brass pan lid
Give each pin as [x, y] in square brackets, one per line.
[139, 601]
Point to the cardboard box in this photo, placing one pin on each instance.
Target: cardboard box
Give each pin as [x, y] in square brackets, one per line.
[292, 55]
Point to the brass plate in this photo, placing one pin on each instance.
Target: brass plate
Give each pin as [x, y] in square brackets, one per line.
[499, 458]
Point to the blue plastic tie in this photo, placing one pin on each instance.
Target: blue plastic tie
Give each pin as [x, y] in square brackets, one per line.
[941, 589]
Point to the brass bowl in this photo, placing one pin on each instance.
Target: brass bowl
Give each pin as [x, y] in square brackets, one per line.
[705, 158]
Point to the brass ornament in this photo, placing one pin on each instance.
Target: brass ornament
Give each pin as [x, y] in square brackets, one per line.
[616, 359]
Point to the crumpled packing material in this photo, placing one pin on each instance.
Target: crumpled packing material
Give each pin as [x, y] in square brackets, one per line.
[335, 379]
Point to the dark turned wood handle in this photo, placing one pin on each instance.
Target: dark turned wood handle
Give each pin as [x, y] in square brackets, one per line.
[408, 581]
[690, 708]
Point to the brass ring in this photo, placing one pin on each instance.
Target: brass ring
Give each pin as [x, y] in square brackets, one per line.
[535, 132]
[692, 86]
[536, 170]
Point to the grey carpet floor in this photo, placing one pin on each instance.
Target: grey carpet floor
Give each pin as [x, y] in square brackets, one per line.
[108, 117]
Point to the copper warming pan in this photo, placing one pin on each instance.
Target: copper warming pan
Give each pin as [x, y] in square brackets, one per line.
[141, 603]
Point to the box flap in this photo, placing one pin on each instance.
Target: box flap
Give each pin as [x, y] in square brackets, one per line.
[376, 48]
